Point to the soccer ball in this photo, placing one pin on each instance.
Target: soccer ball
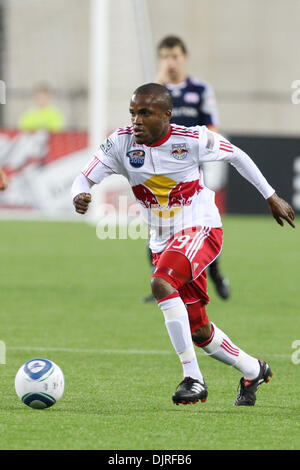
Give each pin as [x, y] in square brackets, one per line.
[39, 383]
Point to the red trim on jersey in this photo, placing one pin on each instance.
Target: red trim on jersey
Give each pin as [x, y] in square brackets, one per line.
[226, 146]
[184, 132]
[185, 135]
[225, 143]
[126, 128]
[184, 129]
[168, 297]
[92, 165]
[107, 166]
[88, 178]
[162, 140]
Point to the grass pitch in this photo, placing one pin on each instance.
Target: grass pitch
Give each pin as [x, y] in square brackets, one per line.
[76, 300]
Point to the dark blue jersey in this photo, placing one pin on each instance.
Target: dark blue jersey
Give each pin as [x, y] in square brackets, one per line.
[194, 104]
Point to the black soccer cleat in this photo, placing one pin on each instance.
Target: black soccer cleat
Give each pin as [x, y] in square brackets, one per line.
[189, 391]
[149, 298]
[221, 283]
[222, 286]
[248, 388]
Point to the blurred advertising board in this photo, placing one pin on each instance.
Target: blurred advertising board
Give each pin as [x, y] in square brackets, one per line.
[278, 158]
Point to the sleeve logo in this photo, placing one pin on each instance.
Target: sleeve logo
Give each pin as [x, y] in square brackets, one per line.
[106, 146]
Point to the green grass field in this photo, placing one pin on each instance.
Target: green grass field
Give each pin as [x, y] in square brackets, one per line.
[69, 297]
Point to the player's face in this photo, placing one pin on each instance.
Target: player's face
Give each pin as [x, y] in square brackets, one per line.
[172, 62]
[150, 122]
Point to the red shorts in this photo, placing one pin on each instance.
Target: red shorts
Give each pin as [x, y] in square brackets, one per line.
[183, 264]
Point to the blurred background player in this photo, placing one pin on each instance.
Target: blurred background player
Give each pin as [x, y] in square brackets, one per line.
[194, 104]
[3, 180]
[44, 115]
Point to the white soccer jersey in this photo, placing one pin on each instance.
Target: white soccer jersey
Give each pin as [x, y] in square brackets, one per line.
[166, 177]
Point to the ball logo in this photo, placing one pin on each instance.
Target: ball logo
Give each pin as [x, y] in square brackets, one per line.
[36, 368]
[136, 158]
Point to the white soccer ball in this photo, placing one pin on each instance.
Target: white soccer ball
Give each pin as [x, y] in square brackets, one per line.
[39, 383]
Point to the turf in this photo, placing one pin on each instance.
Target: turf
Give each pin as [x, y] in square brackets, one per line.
[77, 300]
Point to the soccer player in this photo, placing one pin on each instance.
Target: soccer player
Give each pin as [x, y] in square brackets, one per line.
[162, 163]
[3, 180]
[194, 104]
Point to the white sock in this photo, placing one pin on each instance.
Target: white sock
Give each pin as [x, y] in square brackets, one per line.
[178, 326]
[220, 347]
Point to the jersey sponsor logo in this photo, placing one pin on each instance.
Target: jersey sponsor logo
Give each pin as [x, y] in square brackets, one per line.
[164, 196]
[175, 93]
[179, 151]
[136, 158]
[191, 97]
[106, 146]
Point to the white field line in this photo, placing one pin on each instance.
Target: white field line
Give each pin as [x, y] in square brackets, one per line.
[111, 351]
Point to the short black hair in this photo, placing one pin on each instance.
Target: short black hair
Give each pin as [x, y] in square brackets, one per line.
[158, 90]
[172, 41]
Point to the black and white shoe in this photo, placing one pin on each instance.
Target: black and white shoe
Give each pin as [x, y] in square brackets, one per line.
[248, 388]
[221, 283]
[222, 286]
[190, 391]
[149, 298]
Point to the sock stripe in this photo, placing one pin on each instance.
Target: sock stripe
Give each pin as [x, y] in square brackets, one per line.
[229, 348]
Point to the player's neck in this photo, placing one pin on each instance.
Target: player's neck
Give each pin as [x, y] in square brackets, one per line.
[163, 138]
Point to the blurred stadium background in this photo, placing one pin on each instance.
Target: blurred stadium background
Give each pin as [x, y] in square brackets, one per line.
[93, 54]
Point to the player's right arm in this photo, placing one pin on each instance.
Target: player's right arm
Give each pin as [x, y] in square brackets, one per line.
[103, 164]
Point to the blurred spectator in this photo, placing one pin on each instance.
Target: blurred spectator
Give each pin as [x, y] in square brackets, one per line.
[44, 115]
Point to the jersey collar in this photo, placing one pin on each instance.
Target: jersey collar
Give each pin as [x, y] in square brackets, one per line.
[163, 139]
[177, 86]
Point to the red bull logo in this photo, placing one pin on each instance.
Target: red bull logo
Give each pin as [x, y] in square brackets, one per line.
[164, 196]
[179, 151]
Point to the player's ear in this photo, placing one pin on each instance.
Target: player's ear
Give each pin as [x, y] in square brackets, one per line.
[168, 113]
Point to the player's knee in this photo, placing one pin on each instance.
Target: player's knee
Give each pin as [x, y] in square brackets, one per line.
[202, 334]
[161, 288]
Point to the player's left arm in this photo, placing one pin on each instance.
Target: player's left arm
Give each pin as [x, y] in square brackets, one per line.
[3, 180]
[280, 209]
[214, 147]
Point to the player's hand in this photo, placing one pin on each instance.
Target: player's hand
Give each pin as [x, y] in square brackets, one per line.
[281, 210]
[3, 180]
[162, 77]
[81, 202]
